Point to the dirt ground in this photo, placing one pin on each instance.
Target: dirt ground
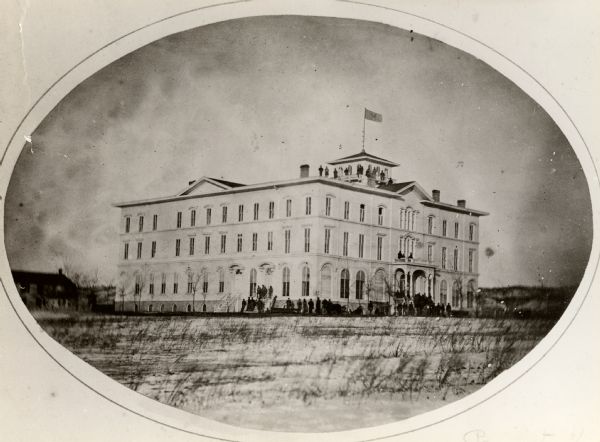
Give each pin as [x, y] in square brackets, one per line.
[299, 373]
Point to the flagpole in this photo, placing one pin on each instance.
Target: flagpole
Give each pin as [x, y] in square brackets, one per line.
[364, 125]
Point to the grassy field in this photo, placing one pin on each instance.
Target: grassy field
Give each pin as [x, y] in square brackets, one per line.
[299, 373]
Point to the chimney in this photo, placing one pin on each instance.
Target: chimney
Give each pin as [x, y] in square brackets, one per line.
[191, 182]
[461, 203]
[436, 195]
[60, 271]
[304, 168]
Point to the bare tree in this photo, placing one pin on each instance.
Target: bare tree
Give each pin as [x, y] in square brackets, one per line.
[458, 283]
[389, 290]
[122, 289]
[193, 280]
[141, 280]
[368, 288]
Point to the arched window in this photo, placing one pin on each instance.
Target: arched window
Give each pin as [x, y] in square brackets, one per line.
[174, 308]
[360, 284]
[252, 282]
[326, 281]
[204, 279]
[162, 308]
[470, 293]
[399, 282]
[305, 281]
[345, 284]
[136, 308]
[378, 285]
[443, 292]
[285, 290]
[455, 295]
[189, 308]
[221, 273]
[150, 308]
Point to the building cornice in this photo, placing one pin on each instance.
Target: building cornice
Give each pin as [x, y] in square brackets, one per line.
[269, 185]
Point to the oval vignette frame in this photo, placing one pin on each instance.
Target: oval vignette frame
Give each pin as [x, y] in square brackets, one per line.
[172, 417]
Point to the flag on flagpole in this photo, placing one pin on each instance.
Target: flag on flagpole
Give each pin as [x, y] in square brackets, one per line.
[373, 116]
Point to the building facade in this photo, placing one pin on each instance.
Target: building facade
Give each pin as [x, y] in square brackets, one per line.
[349, 234]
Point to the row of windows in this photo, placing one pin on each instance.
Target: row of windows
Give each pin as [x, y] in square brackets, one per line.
[456, 293]
[455, 259]
[161, 308]
[406, 247]
[223, 244]
[141, 223]
[195, 283]
[407, 216]
[431, 228]
[200, 282]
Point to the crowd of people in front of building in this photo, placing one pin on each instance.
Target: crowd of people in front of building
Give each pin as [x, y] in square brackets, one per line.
[405, 305]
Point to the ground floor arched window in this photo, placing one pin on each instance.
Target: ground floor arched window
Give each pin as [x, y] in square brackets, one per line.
[189, 308]
[345, 284]
[285, 289]
[221, 274]
[326, 281]
[470, 293]
[305, 281]
[455, 295]
[360, 284]
[443, 292]
[204, 279]
[252, 282]
[379, 285]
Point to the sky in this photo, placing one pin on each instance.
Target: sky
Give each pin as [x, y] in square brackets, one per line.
[251, 99]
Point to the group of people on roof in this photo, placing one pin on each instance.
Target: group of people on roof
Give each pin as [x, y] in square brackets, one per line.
[375, 172]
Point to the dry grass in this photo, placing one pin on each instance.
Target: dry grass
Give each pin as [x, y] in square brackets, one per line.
[299, 373]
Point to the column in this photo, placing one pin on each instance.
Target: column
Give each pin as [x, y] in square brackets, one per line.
[429, 291]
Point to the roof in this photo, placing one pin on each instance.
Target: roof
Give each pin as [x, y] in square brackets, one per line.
[454, 208]
[42, 277]
[223, 184]
[261, 186]
[228, 183]
[396, 186]
[364, 156]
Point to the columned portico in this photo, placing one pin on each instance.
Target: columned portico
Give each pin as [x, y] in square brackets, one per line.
[413, 277]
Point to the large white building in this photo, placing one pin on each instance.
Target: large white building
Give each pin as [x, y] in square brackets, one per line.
[347, 233]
